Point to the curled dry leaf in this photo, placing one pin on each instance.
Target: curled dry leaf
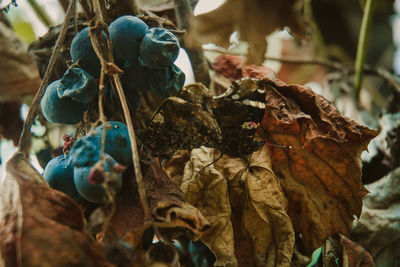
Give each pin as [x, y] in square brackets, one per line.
[317, 161]
[253, 19]
[40, 226]
[19, 75]
[245, 205]
[166, 202]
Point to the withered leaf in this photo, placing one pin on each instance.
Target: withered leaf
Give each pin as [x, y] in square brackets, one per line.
[245, 205]
[166, 203]
[253, 19]
[40, 226]
[315, 152]
[19, 75]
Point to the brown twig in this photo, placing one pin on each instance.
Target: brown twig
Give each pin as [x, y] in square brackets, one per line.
[115, 75]
[24, 139]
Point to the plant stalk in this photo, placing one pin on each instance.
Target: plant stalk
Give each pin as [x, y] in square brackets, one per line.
[362, 47]
[25, 135]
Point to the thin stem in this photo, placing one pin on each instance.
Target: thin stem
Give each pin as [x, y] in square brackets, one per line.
[362, 47]
[105, 66]
[135, 153]
[25, 135]
[42, 15]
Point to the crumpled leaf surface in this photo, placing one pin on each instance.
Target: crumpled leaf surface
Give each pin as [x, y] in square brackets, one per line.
[166, 202]
[253, 19]
[40, 226]
[19, 75]
[315, 152]
[378, 229]
[245, 205]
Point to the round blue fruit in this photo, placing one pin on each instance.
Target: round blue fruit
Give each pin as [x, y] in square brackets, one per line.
[86, 151]
[60, 110]
[126, 33]
[117, 145]
[78, 85]
[158, 49]
[95, 193]
[82, 50]
[166, 82]
[59, 174]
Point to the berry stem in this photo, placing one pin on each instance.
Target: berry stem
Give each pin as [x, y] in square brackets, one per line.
[106, 68]
[24, 140]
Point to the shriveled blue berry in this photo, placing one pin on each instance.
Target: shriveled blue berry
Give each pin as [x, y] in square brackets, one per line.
[60, 110]
[78, 85]
[86, 151]
[158, 49]
[166, 81]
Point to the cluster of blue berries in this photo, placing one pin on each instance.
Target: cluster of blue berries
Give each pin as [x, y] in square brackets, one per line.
[147, 58]
[77, 175]
[145, 55]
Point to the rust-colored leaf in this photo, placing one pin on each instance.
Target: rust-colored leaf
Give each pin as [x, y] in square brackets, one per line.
[40, 226]
[245, 205]
[253, 19]
[315, 152]
[354, 255]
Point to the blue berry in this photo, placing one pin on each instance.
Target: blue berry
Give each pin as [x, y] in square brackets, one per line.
[60, 110]
[126, 33]
[82, 50]
[78, 85]
[159, 48]
[59, 174]
[86, 151]
[117, 143]
[166, 81]
[95, 193]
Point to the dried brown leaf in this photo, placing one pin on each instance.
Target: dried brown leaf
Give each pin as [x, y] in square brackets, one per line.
[40, 226]
[19, 75]
[166, 202]
[318, 160]
[253, 19]
[209, 193]
[245, 205]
